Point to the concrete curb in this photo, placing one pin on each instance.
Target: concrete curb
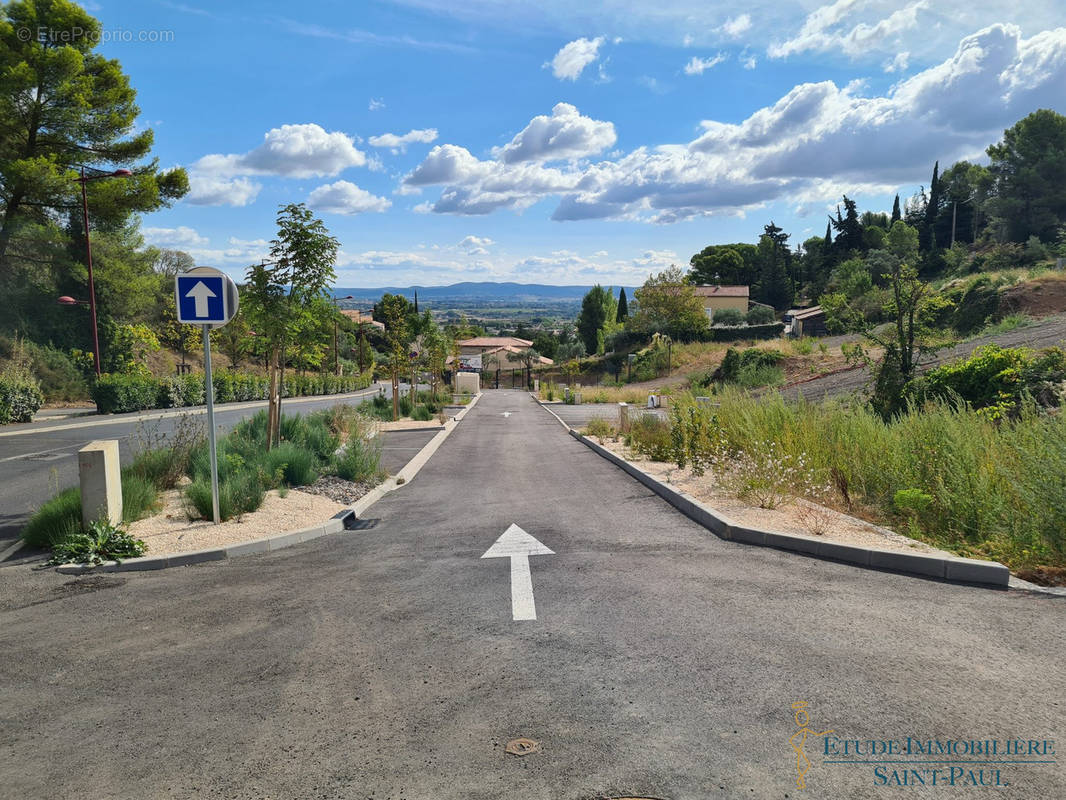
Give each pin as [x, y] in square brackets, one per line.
[344, 520]
[952, 570]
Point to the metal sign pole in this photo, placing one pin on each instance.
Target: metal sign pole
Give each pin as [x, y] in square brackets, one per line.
[209, 393]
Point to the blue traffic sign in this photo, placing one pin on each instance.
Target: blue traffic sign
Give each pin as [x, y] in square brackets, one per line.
[205, 296]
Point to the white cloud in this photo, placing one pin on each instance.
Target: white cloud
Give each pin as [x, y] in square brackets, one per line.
[180, 237]
[748, 61]
[697, 66]
[294, 151]
[820, 31]
[898, 63]
[569, 62]
[375, 104]
[814, 142]
[654, 84]
[565, 134]
[344, 197]
[735, 27]
[398, 144]
[208, 190]
[476, 245]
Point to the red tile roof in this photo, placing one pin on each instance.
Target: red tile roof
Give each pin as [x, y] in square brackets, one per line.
[721, 291]
[495, 341]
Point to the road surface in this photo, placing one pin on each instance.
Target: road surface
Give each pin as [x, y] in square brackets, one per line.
[387, 662]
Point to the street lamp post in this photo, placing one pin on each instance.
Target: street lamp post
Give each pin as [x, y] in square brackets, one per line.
[84, 179]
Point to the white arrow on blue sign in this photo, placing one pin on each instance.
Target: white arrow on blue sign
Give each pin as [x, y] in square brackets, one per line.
[205, 296]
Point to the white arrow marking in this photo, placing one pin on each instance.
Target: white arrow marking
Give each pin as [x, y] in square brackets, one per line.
[518, 546]
[505, 414]
[200, 294]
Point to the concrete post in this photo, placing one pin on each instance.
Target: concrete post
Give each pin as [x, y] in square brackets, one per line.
[101, 483]
[623, 417]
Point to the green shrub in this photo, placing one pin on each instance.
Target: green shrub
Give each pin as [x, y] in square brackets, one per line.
[297, 465]
[694, 433]
[240, 493]
[601, 428]
[752, 363]
[139, 496]
[361, 460]
[20, 398]
[998, 379]
[759, 315]
[422, 413]
[101, 542]
[117, 394]
[729, 317]
[55, 521]
[978, 304]
[60, 377]
[755, 376]
[650, 436]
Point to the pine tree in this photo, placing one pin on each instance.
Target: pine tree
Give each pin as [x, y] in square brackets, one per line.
[896, 215]
[623, 307]
[927, 235]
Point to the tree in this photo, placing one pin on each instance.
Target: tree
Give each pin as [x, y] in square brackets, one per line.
[528, 358]
[394, 314]
[927, 232]
[234, 339]
[725, 264]
[545, 344]
[1029, 168]
[63, 106]
[593, 317]
[775, 285]
[623, 308]
[965, 187]
[913, 307]
[896, 215]
[281, 293]
[848, 229]
[172, 262]
[667, 303]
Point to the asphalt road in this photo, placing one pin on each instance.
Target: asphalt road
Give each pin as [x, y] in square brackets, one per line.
[38, 458]
[385, 662]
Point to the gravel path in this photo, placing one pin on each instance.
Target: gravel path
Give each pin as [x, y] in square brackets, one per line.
[1048, 332]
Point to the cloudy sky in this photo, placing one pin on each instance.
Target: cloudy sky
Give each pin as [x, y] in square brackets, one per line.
[543, 141]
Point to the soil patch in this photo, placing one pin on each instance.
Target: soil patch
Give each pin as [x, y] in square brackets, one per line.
[171, 531]
[1037, 298]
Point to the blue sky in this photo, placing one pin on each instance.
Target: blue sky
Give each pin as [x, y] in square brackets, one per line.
[549, 141]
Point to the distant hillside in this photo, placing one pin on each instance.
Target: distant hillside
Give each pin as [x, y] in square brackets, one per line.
[481, 291]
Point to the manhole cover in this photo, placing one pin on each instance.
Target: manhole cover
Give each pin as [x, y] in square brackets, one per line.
[522, 747]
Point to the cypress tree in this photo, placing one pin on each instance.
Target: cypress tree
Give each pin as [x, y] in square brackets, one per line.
[623, 307]
[896, 215]
[927, 235]
[416, 301]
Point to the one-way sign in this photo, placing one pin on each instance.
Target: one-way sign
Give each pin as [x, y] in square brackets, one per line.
[205, 296]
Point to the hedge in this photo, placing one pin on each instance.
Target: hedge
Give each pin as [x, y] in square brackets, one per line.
[19, 399]
[117, 394]
[772, 330]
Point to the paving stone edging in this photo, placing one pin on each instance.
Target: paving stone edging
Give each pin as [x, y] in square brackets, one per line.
[954, 570]
[343, 520]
